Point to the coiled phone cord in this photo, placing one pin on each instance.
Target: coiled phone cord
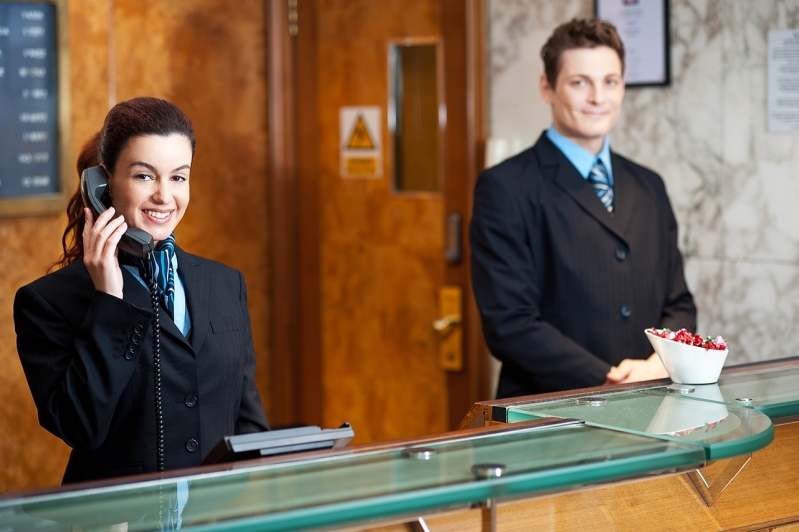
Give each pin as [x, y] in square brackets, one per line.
[159, 410]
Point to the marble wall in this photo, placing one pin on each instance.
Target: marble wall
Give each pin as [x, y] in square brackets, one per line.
[734, 186]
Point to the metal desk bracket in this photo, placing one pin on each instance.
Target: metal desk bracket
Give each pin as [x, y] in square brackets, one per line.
[710, 490]
[419, 525]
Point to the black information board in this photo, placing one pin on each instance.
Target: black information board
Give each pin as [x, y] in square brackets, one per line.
[30, 144]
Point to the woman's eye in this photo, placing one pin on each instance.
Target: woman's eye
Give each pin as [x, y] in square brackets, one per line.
[143, 177]
[178, 178]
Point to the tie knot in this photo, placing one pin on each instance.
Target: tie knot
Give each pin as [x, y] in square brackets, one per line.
[599, 172]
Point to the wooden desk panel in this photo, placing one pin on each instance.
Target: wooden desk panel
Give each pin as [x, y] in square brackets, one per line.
[764, 496]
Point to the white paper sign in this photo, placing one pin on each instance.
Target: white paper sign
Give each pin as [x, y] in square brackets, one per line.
[783, 81]
[360, 143]
[642, 27]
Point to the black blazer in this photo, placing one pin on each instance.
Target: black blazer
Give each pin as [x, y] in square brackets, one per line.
[88, 359]
[565, 289]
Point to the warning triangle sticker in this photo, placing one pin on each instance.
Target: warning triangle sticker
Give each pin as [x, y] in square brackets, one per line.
[360, 138]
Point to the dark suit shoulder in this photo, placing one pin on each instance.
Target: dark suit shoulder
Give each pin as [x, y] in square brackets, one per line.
[214, 266]
[650, 177]
[69, 282]
[515, 166]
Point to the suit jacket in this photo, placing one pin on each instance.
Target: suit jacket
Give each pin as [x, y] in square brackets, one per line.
[88, 359]
[565, 289]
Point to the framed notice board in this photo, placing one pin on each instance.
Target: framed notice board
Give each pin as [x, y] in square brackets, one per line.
[35, 175]
[644, 28]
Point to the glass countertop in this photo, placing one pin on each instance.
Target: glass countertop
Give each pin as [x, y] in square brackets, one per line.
[721, 430]
[774, 392]
[354, 487]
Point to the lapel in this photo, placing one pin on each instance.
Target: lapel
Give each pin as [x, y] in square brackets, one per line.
[197, 286]
[570, 181]
[135, 293]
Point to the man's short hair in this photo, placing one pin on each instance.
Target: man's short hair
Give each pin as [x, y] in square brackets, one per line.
[579, 33]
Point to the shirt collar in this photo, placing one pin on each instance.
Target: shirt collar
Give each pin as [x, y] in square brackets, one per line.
[581, 158]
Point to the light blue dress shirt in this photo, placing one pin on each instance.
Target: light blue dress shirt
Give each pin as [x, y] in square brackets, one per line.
[181, 318]
[582, 159]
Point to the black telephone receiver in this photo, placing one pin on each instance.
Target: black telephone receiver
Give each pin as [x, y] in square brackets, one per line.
[94, 190]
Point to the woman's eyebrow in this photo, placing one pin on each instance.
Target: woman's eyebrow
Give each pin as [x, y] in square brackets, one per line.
[153, 169]
[141, 163]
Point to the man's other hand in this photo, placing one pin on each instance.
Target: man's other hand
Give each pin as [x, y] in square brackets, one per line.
[630, 370]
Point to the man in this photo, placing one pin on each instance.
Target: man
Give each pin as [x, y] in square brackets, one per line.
[574, 248]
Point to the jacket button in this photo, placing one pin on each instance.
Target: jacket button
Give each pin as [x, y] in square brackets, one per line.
[128, 355]
[192, 445]
[190, 400]
[138, 329]
[132, 347]
[621, 255]
[626, 311]
[136, 337]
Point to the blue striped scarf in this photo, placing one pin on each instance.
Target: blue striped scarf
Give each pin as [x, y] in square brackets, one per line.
[160, 267]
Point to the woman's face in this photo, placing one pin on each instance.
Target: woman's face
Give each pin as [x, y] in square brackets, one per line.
[150, 183]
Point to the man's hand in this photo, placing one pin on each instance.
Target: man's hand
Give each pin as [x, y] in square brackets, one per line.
[630, 370]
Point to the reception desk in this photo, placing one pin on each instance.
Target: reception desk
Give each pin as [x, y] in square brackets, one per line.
[648, 456]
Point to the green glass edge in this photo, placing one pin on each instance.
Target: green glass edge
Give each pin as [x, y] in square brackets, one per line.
[772, 410]
[713, 451]
[778, 410]
[441, 498]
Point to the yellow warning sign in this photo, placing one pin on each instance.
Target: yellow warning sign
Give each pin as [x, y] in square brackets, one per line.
[361, 166]
[361, 149]
[360, 138]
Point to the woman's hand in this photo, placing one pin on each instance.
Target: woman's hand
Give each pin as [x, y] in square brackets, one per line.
[100, 240]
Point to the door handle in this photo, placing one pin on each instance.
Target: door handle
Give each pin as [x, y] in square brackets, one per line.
[450, 339]
[443, 323]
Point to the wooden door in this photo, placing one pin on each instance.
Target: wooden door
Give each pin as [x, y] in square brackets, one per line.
[359, 264]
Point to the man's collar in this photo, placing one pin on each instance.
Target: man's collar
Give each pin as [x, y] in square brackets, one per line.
[581, 158]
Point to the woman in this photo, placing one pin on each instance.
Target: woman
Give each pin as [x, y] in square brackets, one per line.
[85, 332]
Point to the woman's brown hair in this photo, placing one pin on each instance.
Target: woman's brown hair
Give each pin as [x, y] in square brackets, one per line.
[578, 33]
[134, 118]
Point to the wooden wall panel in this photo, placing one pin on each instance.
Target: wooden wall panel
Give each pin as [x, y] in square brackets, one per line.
[207, 56]
[32, 457]
[381, 252]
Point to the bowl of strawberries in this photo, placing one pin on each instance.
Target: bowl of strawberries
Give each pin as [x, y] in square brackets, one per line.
[689, 358]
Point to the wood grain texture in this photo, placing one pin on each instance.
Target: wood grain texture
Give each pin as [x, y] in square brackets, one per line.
[208, 57]
[762, 497]
[380, 252]
[32, 457]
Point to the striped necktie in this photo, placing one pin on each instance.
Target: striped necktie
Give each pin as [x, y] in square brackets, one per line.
[160, 267]
[598, 177]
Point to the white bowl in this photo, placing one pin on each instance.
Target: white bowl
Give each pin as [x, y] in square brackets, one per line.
[688, 364]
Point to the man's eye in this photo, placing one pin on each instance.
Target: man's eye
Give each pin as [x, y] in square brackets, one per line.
[612, 82]
[578, 83]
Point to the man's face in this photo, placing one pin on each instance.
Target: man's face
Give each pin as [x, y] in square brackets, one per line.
[586, 100]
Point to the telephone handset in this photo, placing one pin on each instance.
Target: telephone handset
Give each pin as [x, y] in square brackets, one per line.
[94, 189]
